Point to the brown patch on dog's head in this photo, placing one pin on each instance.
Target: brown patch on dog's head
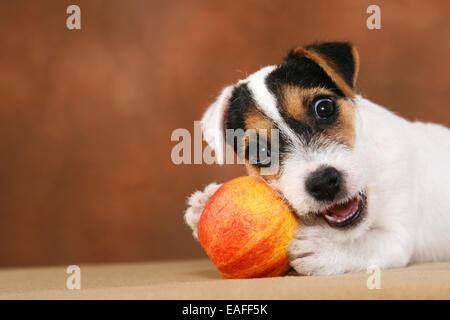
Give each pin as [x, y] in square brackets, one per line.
[339, 60]
[311, 73]
[344, 128]
[356, 62]
[295, 100]
[306, 75]
[253, 170]
[256, 120]
[262, 125]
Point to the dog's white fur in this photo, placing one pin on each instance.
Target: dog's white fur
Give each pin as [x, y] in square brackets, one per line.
[403, 166]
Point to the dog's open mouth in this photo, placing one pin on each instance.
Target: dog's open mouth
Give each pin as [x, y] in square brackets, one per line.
[346, 213]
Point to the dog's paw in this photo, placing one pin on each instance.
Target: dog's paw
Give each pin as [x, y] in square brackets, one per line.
[196, 203]
[312, 253]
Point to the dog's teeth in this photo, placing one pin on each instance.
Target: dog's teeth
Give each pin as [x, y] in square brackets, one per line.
[339, 215]
[334, 219]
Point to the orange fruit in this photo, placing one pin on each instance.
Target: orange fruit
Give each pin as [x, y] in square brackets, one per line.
[245, 229]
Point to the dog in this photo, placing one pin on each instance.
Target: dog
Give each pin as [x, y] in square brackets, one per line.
[371, 189]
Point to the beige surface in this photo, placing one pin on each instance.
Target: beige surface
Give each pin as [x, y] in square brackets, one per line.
[198, 279]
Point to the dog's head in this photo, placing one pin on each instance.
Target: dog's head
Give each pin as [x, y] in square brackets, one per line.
[309, 99]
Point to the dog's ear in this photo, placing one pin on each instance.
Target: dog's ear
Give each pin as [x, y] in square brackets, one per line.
[340, 61]
[214, 123]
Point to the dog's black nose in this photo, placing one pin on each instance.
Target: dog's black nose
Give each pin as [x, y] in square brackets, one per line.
[324, 183]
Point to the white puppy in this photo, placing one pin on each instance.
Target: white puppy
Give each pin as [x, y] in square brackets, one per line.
[371, 188]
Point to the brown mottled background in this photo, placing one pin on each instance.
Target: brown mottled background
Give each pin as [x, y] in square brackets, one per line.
[86, 116]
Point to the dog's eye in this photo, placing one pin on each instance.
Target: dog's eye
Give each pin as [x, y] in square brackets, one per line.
[324, 108]
[258, 153]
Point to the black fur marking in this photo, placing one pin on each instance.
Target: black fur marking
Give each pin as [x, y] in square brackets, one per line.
[305, 73]
[240, 100]
[312, 126]
[302, 129]
[302, 72]
[298, 71]
[341, 54]
[259, 153]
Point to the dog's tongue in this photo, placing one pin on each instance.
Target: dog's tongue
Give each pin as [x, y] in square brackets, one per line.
[343, 210]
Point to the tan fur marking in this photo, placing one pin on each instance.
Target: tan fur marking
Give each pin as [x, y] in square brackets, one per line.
[272, 177]
[255, 171]
[294, 97]
[256, 120]
[292, 101]
[356, 59]
[344, 129]
[329, 67]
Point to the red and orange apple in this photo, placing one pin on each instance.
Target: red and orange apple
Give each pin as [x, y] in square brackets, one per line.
[245, 229]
